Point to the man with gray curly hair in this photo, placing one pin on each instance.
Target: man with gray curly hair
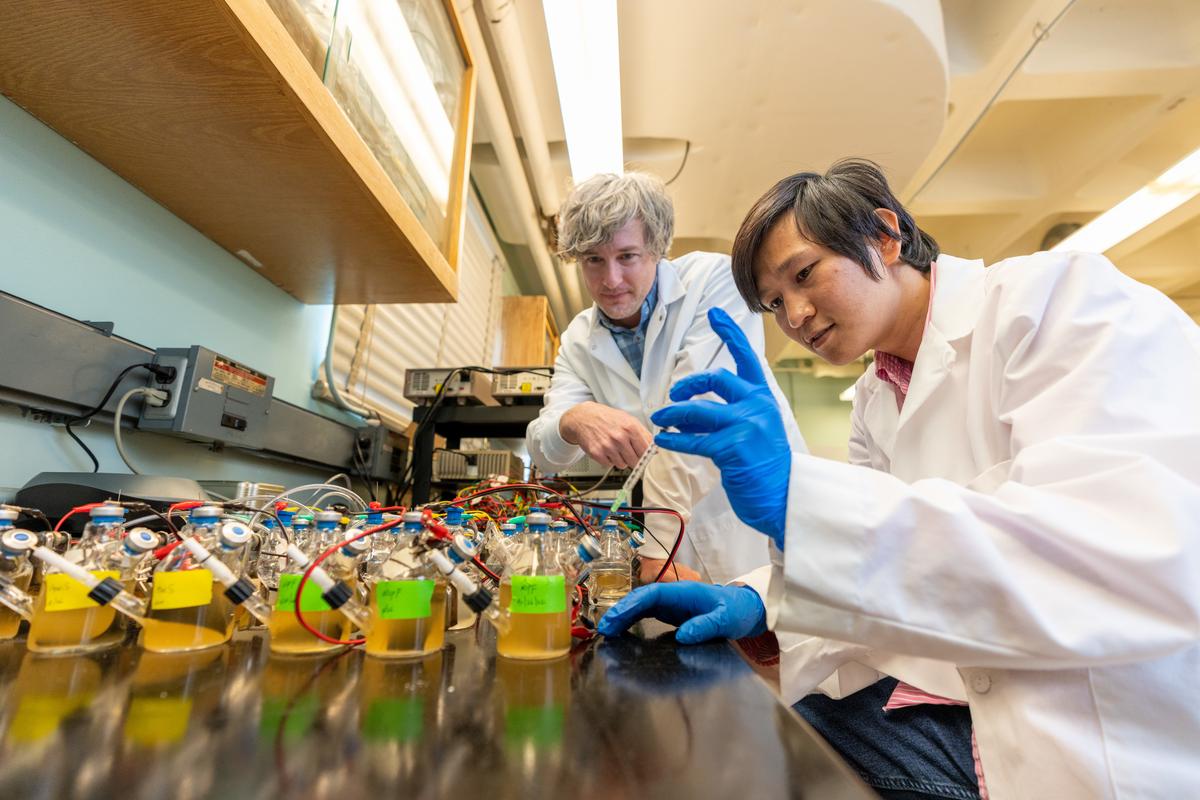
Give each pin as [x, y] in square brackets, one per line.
[617, 362]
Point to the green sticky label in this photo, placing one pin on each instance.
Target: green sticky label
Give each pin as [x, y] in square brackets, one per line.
[538, 594]
[395, 719]
[404, 599]
[286, 599]
[542, 725]
[295, 717]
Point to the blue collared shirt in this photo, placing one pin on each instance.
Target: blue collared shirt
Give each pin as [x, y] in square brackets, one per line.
[632, 341]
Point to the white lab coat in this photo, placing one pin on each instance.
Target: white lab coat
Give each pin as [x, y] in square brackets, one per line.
[679, 341]
[1028, 526]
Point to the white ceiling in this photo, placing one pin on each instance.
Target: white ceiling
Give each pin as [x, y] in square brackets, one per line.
[995, 129]
[1061, 127]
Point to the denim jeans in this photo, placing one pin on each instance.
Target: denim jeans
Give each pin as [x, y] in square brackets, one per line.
[916, 752]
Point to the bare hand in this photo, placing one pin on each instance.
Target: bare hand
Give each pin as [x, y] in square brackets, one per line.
[610, 436]
[678, 572]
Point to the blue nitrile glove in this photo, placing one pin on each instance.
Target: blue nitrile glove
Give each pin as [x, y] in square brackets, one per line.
[744, 436]
[702, 611]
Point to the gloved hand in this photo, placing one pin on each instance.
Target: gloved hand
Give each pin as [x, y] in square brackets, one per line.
[702, 611]
[744, 436]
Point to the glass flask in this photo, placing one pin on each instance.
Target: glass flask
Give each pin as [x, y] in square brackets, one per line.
[535, 594]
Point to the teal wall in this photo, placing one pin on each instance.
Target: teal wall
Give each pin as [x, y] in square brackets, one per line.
[78, 239]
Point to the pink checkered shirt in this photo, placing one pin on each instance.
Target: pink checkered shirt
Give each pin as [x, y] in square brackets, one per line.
[897, 372]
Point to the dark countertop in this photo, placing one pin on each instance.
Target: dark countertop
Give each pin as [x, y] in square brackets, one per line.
[629, 717]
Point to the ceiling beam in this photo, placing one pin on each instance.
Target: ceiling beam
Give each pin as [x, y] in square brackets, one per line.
[973, 94]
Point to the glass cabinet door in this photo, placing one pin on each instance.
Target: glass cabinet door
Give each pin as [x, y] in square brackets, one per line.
[399, 72]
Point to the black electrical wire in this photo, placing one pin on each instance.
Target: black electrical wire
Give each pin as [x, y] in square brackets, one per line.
[409, 474]
[687, 149]
[359, 463]
[670, 562]
[36, 513]
[100, 406]
[518, 487]
[406, 478]
[579, 494]
[287, 536]
[151, 509]
[659, 542]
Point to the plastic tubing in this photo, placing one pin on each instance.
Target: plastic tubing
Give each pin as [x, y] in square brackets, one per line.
[309, 487]
[315, 487]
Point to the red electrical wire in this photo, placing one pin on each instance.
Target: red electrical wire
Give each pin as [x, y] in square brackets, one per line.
[537, 487]
[163, 551]
[579, 517]
[316, 562]
[578, 631]
[76, 510]
[678, 538]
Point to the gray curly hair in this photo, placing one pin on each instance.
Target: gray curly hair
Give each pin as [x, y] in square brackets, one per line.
[600, 206]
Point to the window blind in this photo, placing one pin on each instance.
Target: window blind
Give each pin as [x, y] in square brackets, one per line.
[374, 344]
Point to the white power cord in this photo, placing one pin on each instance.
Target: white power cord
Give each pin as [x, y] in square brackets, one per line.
[152, 397]
[370, 415]
[332, 479]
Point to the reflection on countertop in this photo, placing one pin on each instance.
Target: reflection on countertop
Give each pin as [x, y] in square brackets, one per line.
[630, 717]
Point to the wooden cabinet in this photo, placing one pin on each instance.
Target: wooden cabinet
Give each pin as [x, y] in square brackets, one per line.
[528, 335]
[211, 108]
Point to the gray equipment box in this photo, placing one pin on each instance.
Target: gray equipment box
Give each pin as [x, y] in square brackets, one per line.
[522, 388]
[476, 465]
[213, 399]
[239, 490]
[421, 386]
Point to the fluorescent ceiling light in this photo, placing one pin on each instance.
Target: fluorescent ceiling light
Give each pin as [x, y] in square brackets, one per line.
[1156, 199]
[587, 69]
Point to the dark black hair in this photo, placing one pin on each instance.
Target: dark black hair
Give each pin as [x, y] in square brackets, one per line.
[835, 210]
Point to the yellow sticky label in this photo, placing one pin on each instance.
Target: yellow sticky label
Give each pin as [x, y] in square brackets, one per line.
[526, 387]
[183, 589]
[64, 593]
[157, 720]
[38, 715]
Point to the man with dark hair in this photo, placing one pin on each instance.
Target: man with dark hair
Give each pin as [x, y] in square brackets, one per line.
[1001, 587]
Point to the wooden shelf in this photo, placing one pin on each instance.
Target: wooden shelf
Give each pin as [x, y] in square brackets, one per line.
[528, 335]
[210, 108]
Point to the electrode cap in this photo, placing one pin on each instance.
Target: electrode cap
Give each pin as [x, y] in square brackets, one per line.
[109, 512]
[589, 548]
[328, 519]
[462, 549]
[234, 535]
[15, 541]
[356, 547]
[141, 540]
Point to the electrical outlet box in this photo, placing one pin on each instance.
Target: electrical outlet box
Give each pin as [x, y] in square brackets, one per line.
[378, 453]
[212, 398]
